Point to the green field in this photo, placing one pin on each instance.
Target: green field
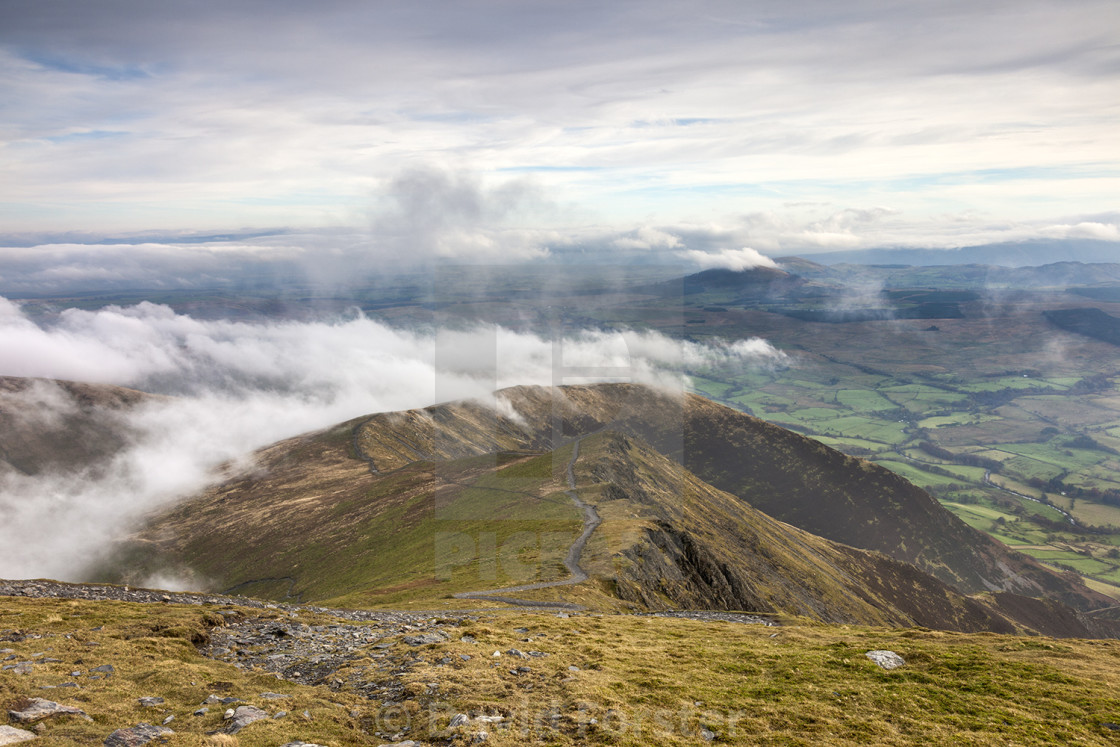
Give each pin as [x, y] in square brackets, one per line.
[976, 392]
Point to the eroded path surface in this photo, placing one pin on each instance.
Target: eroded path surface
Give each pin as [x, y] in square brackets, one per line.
[591, 520]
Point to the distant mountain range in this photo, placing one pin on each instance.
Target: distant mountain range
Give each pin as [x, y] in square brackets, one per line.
[1031, 253]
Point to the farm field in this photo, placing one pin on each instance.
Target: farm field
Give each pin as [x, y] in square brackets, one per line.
[1017, 441]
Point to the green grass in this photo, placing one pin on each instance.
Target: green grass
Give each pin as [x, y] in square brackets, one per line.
[866, 428]
[763, 400]
[1058, 454]
[982, 511]
[862, 400]
[916, 475]
[1027, 468]
[1009, 382]
[847, 443]
[709, 387]
[810, 414]
[960, 418]
[497, 531]
[649, 681]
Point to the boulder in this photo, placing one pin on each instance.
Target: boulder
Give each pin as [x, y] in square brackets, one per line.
[886, 659]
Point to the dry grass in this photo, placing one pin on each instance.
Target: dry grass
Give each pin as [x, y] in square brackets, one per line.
[638, 681]
[651, 680]
[150, 648]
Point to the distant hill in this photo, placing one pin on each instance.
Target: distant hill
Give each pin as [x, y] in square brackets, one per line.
[737, 286]
[411, 507]
[740, 280]
[1089, 322]
[47, 424]
[956, 276]
[1031, 253]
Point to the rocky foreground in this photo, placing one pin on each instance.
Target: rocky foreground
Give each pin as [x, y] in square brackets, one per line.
[364, 652]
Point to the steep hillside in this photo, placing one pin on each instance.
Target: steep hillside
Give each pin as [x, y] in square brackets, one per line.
[1093, 323]
[802, 482]
[314, 523]
[677, 542]
[65, 425]
[408, 508]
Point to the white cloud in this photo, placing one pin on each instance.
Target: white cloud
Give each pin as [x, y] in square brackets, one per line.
[728, 259]
[1084, 230]
[240, 386]
[437, 214]
[647, 238]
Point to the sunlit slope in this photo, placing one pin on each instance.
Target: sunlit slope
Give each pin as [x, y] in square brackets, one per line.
[311, 521]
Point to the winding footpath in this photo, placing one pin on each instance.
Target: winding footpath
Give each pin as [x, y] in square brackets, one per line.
[591, 520]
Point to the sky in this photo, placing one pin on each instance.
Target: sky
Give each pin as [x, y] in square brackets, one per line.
[490, 130]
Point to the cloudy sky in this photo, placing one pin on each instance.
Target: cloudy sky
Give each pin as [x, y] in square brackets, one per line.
[497, 129]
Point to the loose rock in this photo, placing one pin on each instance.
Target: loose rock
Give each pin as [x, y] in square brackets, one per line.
[886, 659]
[135, 736]
[12, 735]
[242, 717]
[38, 709]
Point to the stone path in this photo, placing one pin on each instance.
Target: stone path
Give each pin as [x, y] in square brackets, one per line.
[578, 575]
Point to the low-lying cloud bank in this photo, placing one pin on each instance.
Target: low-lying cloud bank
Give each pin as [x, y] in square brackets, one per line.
[494, 225]
[237, 387]
[736, 260]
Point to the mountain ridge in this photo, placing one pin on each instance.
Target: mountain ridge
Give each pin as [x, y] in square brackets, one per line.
[466, 470]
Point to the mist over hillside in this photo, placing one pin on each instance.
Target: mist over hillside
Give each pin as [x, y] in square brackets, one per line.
[229, 388]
